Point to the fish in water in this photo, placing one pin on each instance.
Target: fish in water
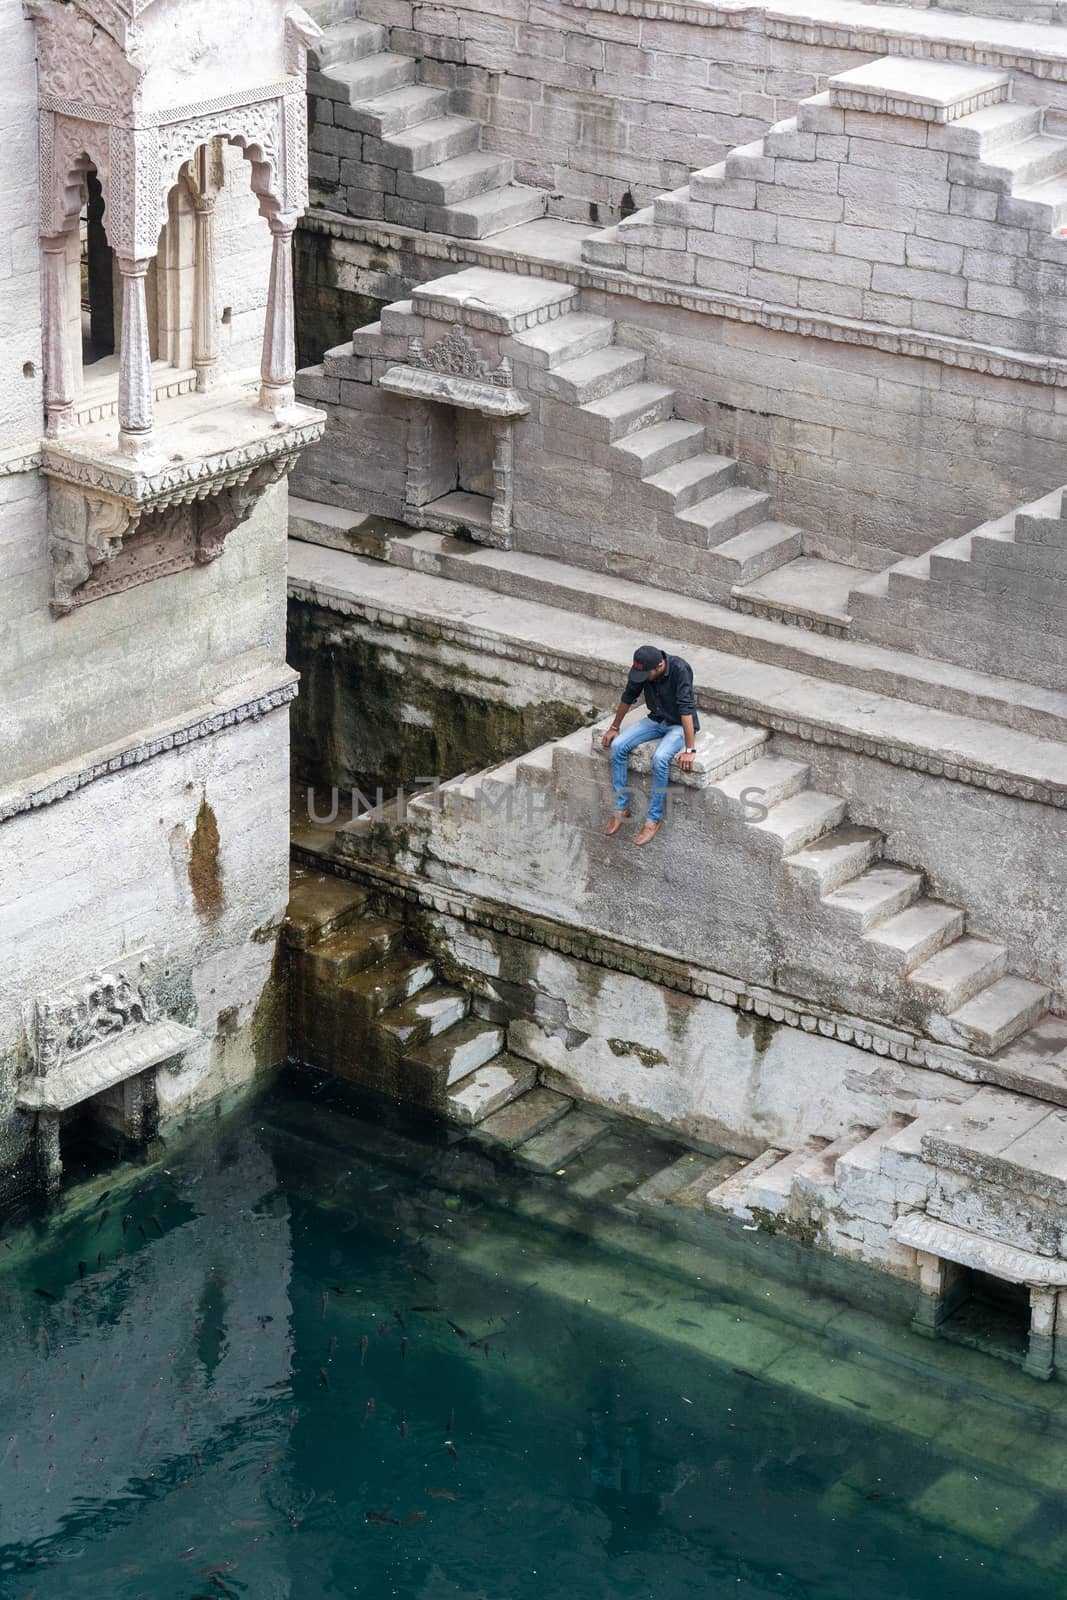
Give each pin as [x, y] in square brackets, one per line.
[332, 1346]
[325, 1301]
[450, 1425]
[461, 1333]
[368, 1410]
[186, 1555]
[101, 1258]
[364, 1346]
[383, 1328]
[81, 1269]
[442, 1494]
[294, 1417]
[416, 1516]
[157, 1225]
[324, 1377]
[337, 1289]
[384, 1518]
[450, 1447]
[403, 1348]
[404, 1429]
[104, 1197]
[103, 1218]
[397, 1316]
[424, 1308]
[45, 1294]
[140, 1230]
[125, 1224]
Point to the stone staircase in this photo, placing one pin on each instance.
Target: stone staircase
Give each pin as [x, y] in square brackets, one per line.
[691, 496]
[385, 146]
[1002, 150]
[914, 952]
[367, 1009]
[915, 601]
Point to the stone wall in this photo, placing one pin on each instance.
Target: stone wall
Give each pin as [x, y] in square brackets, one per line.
[21, 388]
[609, 104]
[184, 857]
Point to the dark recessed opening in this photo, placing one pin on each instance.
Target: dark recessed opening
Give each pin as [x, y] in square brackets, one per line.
[991, 1315]
[29, 370]
[227, 316]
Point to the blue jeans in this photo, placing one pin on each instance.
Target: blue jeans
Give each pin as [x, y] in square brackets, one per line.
[671, 740]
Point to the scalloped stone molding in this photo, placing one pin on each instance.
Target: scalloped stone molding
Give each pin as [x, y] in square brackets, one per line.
[258, 698]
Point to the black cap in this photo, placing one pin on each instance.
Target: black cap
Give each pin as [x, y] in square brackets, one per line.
[646, 660]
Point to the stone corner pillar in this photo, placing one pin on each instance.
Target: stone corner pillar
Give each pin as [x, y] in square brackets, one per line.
[277, 391]
[58, 360]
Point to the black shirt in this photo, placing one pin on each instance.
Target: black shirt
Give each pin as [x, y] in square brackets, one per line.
[669, 697]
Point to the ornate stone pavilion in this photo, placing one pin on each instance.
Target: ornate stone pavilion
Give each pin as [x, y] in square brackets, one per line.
[154, 174]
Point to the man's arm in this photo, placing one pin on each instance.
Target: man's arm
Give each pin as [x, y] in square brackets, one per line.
[616, 726]
[687, 707]
[687, 756]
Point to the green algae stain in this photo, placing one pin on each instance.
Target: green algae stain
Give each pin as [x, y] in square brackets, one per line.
[645, 1053]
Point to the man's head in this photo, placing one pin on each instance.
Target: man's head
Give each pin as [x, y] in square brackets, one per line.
[649, 662]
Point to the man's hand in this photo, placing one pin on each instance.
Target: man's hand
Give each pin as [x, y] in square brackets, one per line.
[686, 759]
[610, 736]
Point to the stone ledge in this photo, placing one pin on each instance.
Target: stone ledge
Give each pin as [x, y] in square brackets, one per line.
[414, 383]
[1020, 365]
[1006, 1261]
[896, 1044]
[20, 458]
[269, 692]
[104, 1065]
[929, 91]
[897, 754]
[901, 31]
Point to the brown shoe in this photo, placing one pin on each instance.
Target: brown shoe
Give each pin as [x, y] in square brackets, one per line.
[648, 832]
[617, 820]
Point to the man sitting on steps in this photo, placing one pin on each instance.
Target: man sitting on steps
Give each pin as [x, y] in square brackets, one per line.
[667, 684]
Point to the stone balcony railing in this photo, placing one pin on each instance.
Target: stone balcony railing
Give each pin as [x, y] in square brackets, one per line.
[116, 520]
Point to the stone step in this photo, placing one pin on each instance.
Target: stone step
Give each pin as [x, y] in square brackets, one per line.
[563, 340]
[651, 450]
[338, 529]
[684, 1183]
[732, 1195]
[837, 857]
[536, 767]
[1051, 194]
[1015, 166]
[454, 1054]
[875, 895]
[328, 13]
[998, 1014]
[355, 81]
[459, 179]
[767, 781]
[391, 113]
[591, 377]
[319, 904]
[611, 1169]
[987, 130]
[496, 302]
[629, 411]
[696, 478]
[350, 951]
[814, 1177]
[729, 512]
[424, 1016]
[755, 552]
[553, 1147]
[722, 747]
[431, 143]
[770, 1191]
[913, 935]
[603, 249]
[525, 1117]
[348, 41]
[802, 819]
[486, 214]
[389, 983]
[958, 972]
[488, 1089]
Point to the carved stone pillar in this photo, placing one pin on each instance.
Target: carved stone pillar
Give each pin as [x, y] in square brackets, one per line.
[205, 318]
[135, 365]
[49, 1159]
[503, 483]
[277, 392]
[58, 362]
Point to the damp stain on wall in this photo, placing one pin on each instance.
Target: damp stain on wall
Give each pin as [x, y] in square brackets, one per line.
[205, 865]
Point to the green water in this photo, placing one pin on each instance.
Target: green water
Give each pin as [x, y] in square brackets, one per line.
[252, 1392]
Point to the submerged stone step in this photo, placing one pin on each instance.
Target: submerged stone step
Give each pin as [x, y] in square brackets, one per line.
[489, 1089]
[612, 1168]
[684, 1182]
[558, 1144]
[732, 1194]
[525, 1117]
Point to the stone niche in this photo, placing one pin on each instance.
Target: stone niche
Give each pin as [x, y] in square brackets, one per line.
[96, 1048]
